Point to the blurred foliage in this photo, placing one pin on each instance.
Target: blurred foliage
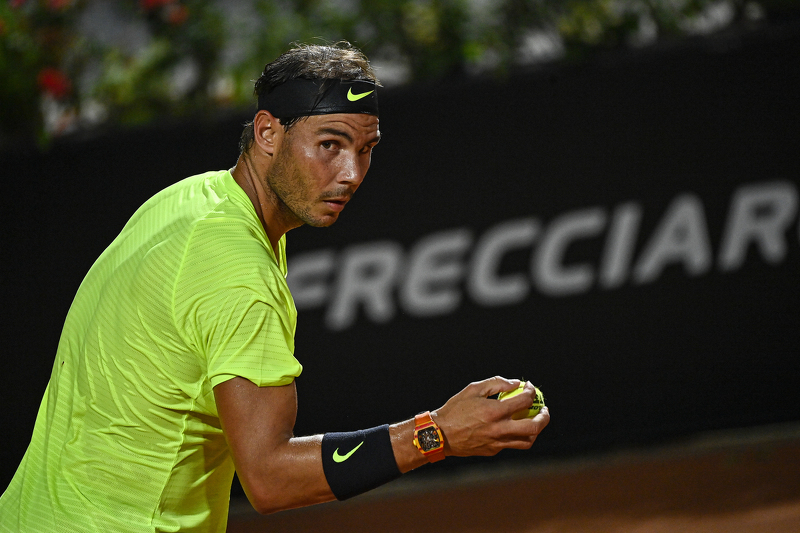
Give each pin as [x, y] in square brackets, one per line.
[60, 74]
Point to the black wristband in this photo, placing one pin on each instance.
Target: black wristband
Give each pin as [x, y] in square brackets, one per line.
[358, 461]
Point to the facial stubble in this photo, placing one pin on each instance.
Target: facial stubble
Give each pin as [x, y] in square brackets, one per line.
[291, 189]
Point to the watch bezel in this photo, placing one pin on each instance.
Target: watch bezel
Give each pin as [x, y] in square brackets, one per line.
[429, 438]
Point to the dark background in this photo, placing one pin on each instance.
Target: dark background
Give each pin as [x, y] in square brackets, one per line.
[630, 366]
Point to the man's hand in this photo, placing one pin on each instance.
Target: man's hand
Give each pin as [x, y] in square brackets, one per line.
[473, 424]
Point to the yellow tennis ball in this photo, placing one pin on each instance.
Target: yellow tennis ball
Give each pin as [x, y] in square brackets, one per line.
[533, 410]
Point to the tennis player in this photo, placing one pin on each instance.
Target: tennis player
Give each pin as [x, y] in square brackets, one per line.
[176, 363]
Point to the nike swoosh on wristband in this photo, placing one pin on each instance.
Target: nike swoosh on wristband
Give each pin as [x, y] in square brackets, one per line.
[341, 458]
[354, 97]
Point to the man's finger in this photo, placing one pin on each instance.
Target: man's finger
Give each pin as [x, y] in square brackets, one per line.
[495, 385]
[518, 402]
[524, 427]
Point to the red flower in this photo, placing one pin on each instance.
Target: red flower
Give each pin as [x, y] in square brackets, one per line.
[54, 82]
[56, 5]
[177, 14]
[149, 5]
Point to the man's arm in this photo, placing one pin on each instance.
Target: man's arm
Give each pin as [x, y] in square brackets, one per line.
[279, 471]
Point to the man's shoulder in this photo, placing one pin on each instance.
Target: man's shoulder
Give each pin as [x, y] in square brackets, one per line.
[211, 180]
[207, 196]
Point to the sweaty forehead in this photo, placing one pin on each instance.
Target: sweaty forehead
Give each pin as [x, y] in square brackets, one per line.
[353, 124]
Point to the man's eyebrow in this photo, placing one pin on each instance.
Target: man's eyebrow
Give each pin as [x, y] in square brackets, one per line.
[347, 136]
[334, 131]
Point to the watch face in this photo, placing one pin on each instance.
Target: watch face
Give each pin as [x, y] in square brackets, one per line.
[428, 439]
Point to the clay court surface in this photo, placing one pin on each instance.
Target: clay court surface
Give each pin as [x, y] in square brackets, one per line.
[745, 481]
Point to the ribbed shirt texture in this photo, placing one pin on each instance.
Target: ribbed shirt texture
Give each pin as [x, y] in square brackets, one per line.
[127, 437]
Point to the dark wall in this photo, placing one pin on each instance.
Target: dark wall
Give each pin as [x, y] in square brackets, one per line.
[624, 234]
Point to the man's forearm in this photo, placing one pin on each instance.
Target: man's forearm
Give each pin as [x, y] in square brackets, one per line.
[407, 455]
[290, 476]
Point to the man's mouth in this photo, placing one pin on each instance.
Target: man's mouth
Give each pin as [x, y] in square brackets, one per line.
[336, 204]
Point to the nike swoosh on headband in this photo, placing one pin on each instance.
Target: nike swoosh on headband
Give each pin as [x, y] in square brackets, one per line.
[342, 458]
[355, 97]
[300, 97]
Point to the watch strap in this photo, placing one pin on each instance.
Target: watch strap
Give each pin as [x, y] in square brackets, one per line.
[424, 421]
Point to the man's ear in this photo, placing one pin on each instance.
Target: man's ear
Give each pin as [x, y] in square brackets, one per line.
[267, 129]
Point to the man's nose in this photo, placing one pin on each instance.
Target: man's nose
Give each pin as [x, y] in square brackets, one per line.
[353, 171]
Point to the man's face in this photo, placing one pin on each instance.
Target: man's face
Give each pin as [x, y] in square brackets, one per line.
[320, 163]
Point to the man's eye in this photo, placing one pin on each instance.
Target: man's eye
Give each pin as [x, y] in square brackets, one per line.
[328, 145]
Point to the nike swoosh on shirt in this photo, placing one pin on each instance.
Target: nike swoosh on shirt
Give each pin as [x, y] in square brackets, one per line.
[353, 97]
[341, 458]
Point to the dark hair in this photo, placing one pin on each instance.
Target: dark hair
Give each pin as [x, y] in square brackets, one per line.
[336, 61]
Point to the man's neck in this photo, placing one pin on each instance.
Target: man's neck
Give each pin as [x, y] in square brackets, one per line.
[246, 176]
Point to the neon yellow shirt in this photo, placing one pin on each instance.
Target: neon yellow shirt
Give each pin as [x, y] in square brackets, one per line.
[127, 438]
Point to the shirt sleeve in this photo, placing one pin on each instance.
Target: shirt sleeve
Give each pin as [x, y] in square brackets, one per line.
[233, 307]
[249, 339]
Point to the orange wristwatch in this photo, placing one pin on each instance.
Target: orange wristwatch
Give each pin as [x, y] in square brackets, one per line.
[428, 437]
